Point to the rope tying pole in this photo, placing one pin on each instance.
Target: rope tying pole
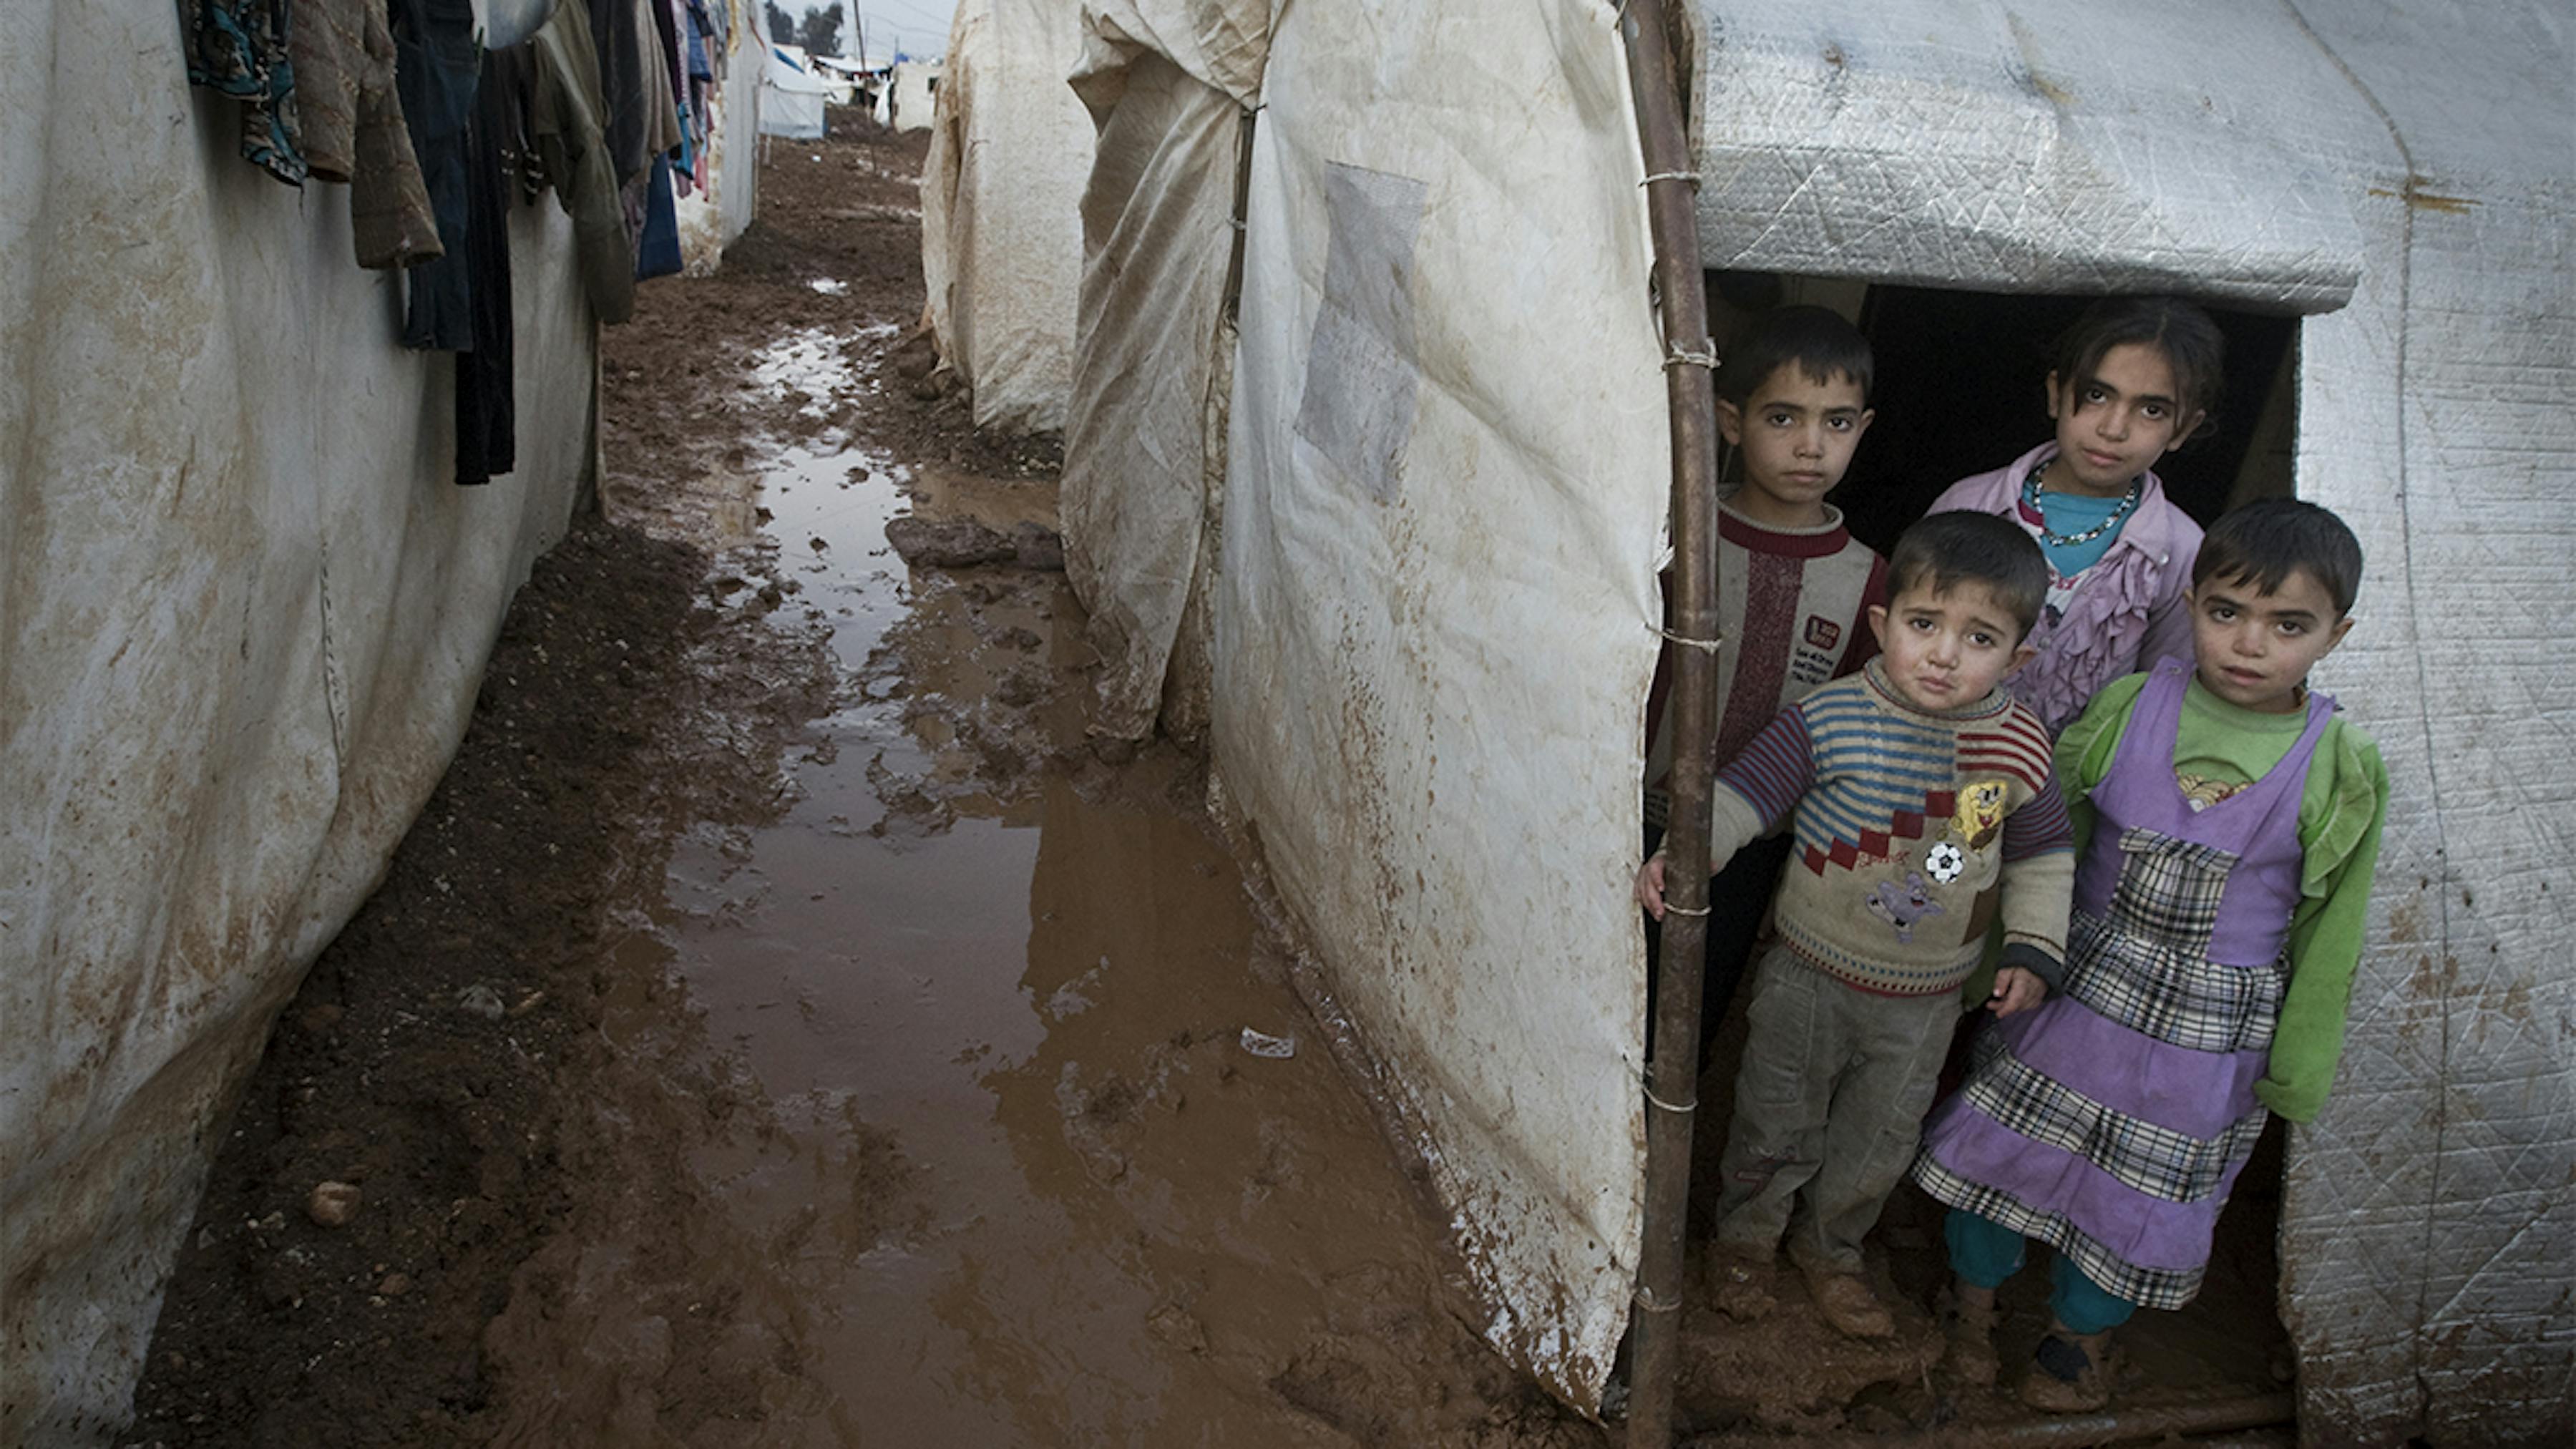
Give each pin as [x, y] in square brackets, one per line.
[1690, 395]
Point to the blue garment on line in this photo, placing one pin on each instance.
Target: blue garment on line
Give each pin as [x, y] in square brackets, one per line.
[438, 64]
[657, 254]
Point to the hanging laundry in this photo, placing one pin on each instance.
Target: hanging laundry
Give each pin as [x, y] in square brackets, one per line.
[438, 61]
[704, 45]
[486, 405]
[512, 72]
[239, 48]
[623, 92]
[666, 33]
[661, 65]
[564, 120]
[701, 67]
[657, 251]
[353, 130]
[634, 72]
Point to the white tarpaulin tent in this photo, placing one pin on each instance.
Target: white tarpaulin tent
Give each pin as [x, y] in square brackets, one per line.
[1001, 225]
[1431, 607]
[910, 90]
[244, 612]
[1171, 88]
[792, 96]
[1410, 554]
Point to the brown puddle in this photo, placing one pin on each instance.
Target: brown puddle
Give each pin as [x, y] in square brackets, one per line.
[1009, 1173]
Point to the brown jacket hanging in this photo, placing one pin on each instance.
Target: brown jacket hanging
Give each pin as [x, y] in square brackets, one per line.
[353, 129]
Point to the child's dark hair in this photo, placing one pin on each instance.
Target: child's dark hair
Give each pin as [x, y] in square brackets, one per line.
[1816, 339]
[2266, 541]
[1945, 550]
[2190, 342]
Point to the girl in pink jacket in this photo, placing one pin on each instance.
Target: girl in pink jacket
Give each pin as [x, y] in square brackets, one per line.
[2129, 382]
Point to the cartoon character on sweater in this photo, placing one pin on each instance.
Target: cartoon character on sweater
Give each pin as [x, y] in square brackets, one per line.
[1903, 905]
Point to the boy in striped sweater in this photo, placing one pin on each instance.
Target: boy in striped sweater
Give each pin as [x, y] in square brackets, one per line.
[1794, 590]
[1923, 807]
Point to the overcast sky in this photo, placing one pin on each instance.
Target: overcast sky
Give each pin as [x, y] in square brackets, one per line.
[917, 27]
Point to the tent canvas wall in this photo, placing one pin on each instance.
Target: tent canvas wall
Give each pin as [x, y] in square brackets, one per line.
[1432, 608]
[1432, 605]
[911, 89]
[244, 611]
[1001, 226]
[792, 96]
[1171, 93]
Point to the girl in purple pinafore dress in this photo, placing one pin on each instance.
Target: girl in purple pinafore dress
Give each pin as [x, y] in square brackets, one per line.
[2111, 1121]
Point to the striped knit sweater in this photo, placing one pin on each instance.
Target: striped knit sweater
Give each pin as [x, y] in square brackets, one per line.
[1912, 830]
[1792, 612]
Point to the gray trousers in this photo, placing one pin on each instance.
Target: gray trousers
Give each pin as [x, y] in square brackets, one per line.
[1829, 1105]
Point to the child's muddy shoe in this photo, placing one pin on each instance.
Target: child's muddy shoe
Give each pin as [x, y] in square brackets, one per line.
[1844, 1300]
[1740, 1282]
[1968, 1331]
[2071, 1373]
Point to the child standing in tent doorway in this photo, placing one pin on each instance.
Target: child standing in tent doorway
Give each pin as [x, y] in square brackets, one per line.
[1794, 587]
[1923, 811]
[2230, 822]
[2131, 380]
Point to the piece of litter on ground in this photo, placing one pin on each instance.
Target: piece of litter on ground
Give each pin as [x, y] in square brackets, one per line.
[1263, 1044]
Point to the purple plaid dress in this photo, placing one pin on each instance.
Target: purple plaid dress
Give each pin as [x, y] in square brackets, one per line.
[2111, 1122]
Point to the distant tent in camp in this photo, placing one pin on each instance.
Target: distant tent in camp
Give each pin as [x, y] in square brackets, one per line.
[1001, 198]
[792, 96]
[909, 93]
[1389, 539]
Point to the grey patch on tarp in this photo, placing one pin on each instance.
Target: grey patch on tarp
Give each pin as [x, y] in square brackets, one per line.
[507, 22]
[1361, 375]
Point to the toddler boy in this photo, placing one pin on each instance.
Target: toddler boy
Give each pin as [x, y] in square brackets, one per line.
[1794, 587]
[1923, 806]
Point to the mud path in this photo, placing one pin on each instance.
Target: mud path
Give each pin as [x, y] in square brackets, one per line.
[782, 1028]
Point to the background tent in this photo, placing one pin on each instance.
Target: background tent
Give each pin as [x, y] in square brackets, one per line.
[1001, 227]
[1171, 89]
[910, 91]
[1430, 604]
[792, 96]
[244, 611]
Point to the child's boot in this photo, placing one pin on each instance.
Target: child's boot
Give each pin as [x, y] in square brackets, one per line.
[2071, 1373]
[1845, 1301]
[1968, 1326]
[1740, 1281]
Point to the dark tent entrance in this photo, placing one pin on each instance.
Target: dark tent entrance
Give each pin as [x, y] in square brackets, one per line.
[1959, 390]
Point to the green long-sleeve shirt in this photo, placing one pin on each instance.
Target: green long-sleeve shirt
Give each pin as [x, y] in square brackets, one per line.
[2220, 748]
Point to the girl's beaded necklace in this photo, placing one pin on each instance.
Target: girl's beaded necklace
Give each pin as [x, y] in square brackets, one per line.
[2030, 500]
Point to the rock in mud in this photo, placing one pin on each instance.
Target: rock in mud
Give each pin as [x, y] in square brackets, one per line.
[1038, 548]
[957, 543]
[333, 1203]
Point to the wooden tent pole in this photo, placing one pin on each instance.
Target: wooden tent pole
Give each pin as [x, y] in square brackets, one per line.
[1672, 1093]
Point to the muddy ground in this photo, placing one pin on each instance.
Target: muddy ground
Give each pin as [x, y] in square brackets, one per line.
[550, 1133]
[785, 1026]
